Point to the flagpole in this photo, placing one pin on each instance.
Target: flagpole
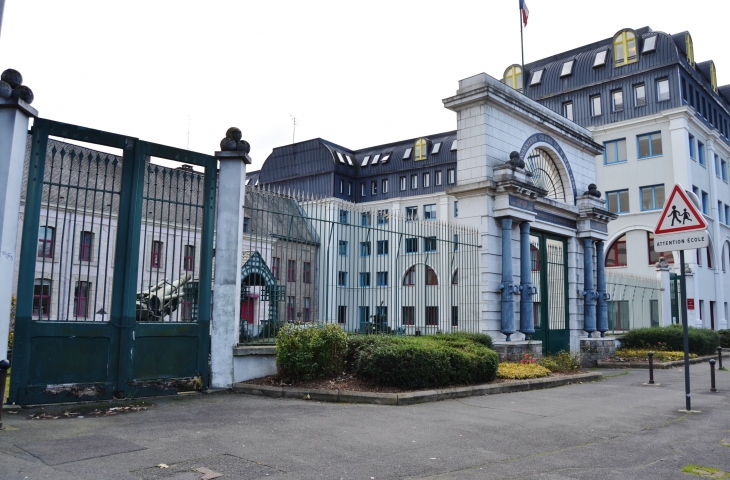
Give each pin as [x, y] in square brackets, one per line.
[522, 48]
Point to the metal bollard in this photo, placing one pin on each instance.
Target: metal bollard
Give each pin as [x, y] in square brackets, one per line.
[651, 368]
[4, 365]
[719, 358]
[712, 375]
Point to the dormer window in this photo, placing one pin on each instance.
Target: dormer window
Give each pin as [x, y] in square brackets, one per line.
[624, 48]
[419, 149]
[349, 160]
[407, 153]
[339, 155]
[365, 161]
[713, 76]
[537, 77]
[567, 69]
[690, 50]
[375, 159]
[649, 45]
[600, 60]
[385, 158]
[436, 148]
[453, 146]
[513, 77]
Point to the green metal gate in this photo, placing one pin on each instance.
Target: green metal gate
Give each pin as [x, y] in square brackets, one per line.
[550, 275]
[114, 289]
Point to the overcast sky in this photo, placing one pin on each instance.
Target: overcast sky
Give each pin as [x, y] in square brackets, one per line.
[356, 73]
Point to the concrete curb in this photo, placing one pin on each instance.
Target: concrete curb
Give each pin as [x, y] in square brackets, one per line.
[412, 398]
[658, 365]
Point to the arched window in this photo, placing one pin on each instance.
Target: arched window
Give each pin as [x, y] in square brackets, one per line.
[690, 50]
[654, 256]
[713, 76]
[410, 277]
[513, 77]
[420, 149]
[624, 48]
[431, 278]
[616, 256]
[455, 277]
[545, 173]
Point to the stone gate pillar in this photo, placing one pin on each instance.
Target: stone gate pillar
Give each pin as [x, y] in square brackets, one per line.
[15, 112]
[603, 297]
[233, 159]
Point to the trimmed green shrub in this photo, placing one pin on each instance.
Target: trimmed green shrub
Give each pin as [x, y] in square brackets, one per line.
[421, 362]
[481, 338]
[702, 341]
[724, 338]
[309, 351]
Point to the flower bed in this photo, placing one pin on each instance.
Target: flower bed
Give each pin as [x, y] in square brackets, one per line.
[521, 371]
[642, 355]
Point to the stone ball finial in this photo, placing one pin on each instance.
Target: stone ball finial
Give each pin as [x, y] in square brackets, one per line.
[233, 141]
[6, 91]
[12, 77]
[24, 93]
[593, 191]
[515, 160]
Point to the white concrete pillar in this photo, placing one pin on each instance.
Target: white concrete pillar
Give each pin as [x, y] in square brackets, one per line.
[665, 300]
[14, 117]
[227, 281]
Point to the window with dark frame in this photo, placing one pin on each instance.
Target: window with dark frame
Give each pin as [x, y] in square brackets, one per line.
[275, 267]
[639, 95]
[45, 242]
[189, 258]
[290, 308]
[437, 179]
[451, 175]
[81, 299]
[431, 278]
[156, 254]
[616, 255]
[42, 299]
[568, 110]
[409, 315]
[307, 272]
[617, 101]
[595, 105]
[85, 247]
[432, 315]
[342, 314]
[411, 245]
[306, 308]
[291, 270]
[654, 256]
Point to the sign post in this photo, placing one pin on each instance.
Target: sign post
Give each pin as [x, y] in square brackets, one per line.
[681, 227]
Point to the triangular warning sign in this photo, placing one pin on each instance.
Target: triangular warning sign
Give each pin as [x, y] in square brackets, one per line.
[679, 214]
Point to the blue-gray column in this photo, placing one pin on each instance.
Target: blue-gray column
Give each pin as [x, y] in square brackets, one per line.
[602, 313]
[507, 287]
[589, 294]
[527, 323]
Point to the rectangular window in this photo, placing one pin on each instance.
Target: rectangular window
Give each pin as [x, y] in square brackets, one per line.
[85, 247]
[45, 242]
[652, 197]
[341, 248]
[691, 146]
[291, 271]
[344, 217]
[382, 246]
[409, 315]
[723, 170]
[426, 179]
[456, 242]
[438, 175]
[307, 272]
[365, 219]
[432, 316]
[156, 255]
[381, 279]
[596, 105]
[654, 256]
[650, 145]
[639, 95]
[654, 309]
[382, 217]
[341, 279]
[618, 315]
[662, 90]
[411, 214]
[701, 152]
[275, 267]
[704, 202]
[402, 183]
[726, 209]
[617, 101]
[81, 299]
[290, 308]
[374, 187]
[364, 317]
[414, 181]
[719, 212]
[42, 299]
[429, 212]
[429, 244]
[615, 151]
[306, 308]
[364, 279]
[246, 222]
[385, 185]
[349, 189]
[362, 189]
[451, 175]
[568, 110]
[189, 258]
[618, 201]
[411, 245]
[456, 208]
[364, 249]
[342, 314]
[342, 186]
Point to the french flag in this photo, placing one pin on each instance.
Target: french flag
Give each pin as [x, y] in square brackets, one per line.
[525, 11]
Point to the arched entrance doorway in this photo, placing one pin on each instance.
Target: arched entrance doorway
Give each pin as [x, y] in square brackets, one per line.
[255, 273]
[549, 268]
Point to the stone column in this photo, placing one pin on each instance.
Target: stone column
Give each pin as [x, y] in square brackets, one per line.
[229, 242]
[527, 323]
[507, 288]
[603, 297]
[589, 307]
[662, 273]
[15, 112]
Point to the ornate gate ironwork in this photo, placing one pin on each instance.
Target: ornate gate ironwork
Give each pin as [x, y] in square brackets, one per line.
[549, 275]
[115, 269]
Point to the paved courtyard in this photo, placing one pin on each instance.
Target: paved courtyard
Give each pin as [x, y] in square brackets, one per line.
[613, 429]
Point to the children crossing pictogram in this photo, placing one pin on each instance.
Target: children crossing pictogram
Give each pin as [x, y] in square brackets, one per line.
[679, 214]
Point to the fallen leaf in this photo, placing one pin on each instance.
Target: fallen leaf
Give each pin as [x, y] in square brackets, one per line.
[162, 465]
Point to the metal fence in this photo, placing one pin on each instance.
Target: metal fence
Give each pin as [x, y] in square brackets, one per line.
[363, 267]
[634, 301]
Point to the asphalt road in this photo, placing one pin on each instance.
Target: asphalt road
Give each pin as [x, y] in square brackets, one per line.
[613, 429]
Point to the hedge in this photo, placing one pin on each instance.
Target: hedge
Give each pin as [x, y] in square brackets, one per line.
[724, 338]
[702, 341]
[309, 351]
[422, 362]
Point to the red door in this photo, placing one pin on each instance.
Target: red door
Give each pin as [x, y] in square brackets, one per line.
[247, 310]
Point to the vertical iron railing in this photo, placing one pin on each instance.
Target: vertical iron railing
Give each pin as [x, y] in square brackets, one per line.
[635, 301]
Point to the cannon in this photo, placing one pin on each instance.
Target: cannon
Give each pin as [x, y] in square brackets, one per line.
[160, 300]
